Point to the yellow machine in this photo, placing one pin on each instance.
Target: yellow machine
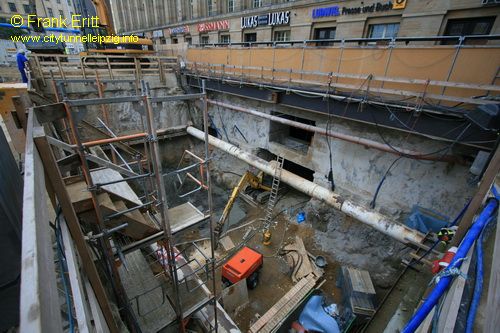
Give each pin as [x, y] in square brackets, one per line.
[141, 47]
[248, 179]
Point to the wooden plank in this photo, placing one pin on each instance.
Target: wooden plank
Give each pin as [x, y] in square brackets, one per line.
[146, 294]
[121, 189]
[292, 303]
[361, 281]
[451, 306]
[184, 216]
[49, 113]
[55, 178]
[138, 227]
[426, 324]
[39, 309]
[77, 291]
[478, 199]
[422, 260]
[97, 315]
[81, 197]
[279, 310]
[492, 319]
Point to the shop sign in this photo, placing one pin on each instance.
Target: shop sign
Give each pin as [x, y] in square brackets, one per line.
[213, 26]
[376, 7]
[157, 33]
[179, 30]
[278, 18]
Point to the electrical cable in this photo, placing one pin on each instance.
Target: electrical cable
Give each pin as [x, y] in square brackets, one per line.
[372, 204]
[413, 156]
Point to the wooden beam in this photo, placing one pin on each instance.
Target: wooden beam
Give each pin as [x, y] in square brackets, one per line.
[492, 319]
[478, 199]
[451, 304]
[55, 177]
[50, 113]
[40, 308]
[81, 309]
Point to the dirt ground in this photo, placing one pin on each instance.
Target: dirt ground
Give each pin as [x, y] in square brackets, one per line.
[275, 280]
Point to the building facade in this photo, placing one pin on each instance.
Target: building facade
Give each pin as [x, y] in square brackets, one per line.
[44, 8]
[222, 21]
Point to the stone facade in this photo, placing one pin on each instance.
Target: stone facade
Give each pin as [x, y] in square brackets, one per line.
[177, 21]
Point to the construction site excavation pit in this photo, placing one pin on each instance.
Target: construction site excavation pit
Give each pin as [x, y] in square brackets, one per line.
[184, 196]
[250, 207]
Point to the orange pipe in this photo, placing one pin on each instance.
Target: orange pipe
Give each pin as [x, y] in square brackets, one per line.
[111, 140]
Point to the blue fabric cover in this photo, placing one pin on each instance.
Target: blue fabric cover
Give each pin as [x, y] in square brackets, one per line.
[314, 317]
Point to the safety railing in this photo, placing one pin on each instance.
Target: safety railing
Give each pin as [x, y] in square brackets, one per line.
[443, 74]
[484, 40]
[58, 66]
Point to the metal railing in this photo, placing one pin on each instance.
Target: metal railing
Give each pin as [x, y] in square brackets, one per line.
[394, 41]
[66, 67]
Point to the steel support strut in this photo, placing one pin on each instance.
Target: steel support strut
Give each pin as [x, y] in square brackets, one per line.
[152, 143]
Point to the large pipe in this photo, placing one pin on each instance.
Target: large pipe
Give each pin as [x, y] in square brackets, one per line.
[346, 137]
[364, 215]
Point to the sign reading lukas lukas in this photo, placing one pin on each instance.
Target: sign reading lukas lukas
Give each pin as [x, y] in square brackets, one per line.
[278, 18]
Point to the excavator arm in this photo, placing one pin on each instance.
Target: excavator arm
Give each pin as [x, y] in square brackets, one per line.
[102, 12]
[247, 179]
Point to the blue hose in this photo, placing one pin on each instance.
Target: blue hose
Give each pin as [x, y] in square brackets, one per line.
[456, 262]
[478, 286]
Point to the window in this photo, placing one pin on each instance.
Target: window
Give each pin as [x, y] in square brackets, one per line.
[204, 39]
[61, 13]
[189, 40]
[163, 40]
[211, 7]
[27, 9]
[324, 33]
[257, 3]
[383, 30]
[226, 39]
[12, 7]
[175, 41]
[50, 12]
[282, 36]
[469, 26]
[58, 1]
[251, 37]
[289, 136]
[230, 6]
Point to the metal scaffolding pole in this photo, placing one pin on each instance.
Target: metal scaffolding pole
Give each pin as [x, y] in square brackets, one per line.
[152, 139]
[104, 242]
[210, 203]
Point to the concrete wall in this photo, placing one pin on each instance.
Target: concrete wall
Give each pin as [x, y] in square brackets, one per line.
[357, 170]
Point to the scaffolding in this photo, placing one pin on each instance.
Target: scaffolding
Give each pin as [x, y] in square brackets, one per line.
[113, 234]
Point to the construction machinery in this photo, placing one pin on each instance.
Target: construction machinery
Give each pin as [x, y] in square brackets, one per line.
[248, 179]
[246, 264]
[141, 46]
